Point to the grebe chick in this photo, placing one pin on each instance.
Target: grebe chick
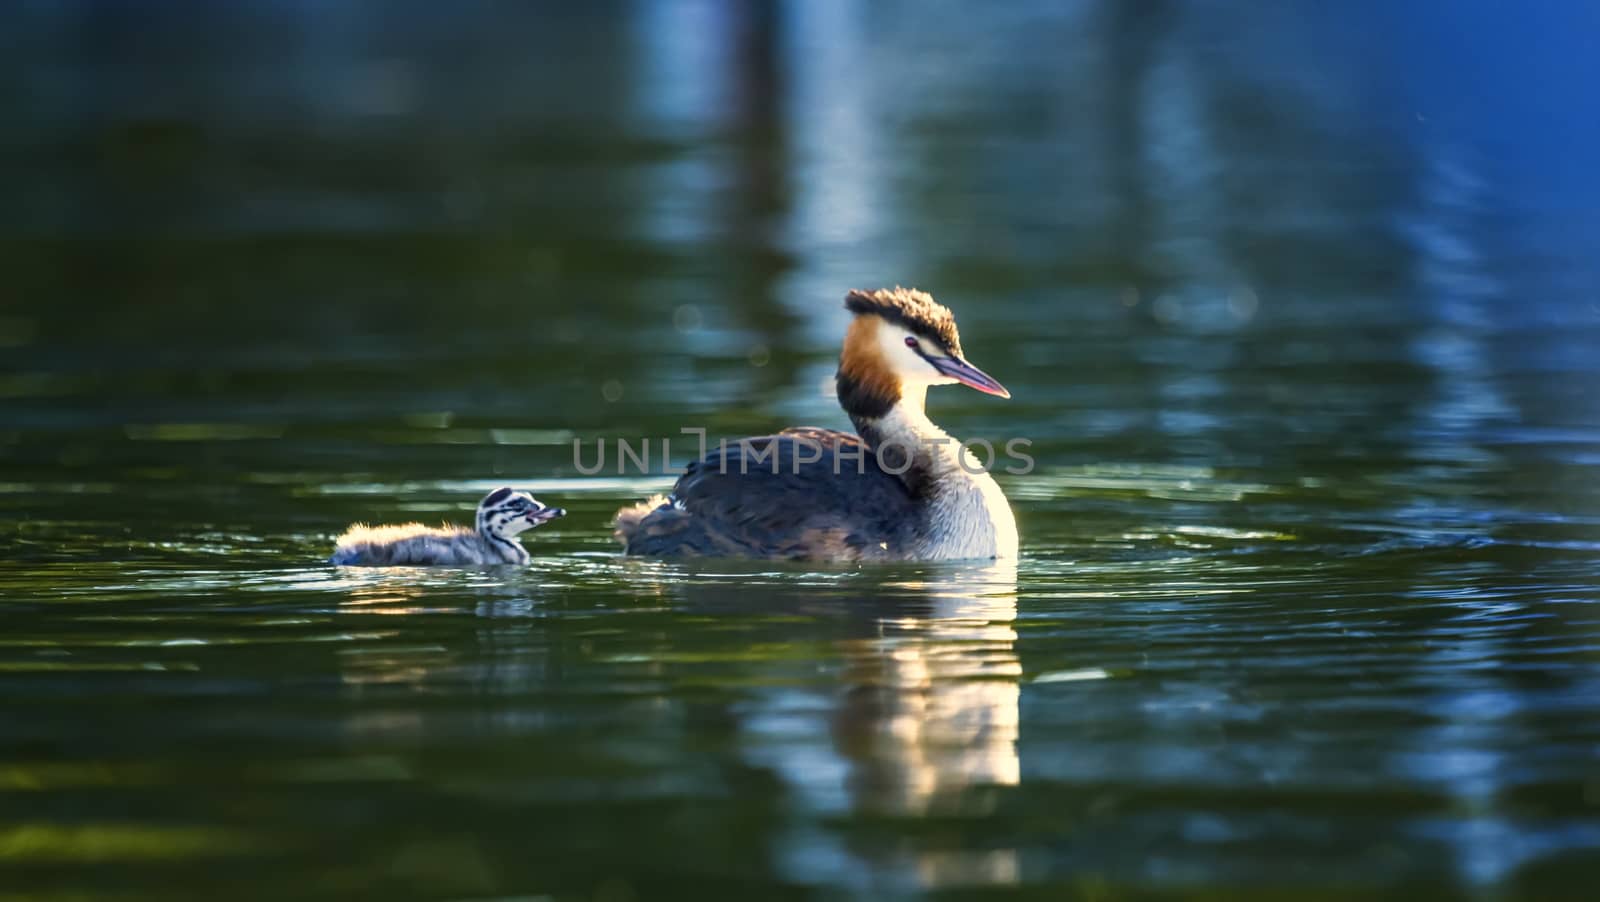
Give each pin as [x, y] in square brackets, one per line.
[821, 495]
[502, 515]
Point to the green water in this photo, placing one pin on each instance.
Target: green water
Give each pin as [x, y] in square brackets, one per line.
[1307, 605]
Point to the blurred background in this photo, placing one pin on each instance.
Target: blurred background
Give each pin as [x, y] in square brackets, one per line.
[1299, 304]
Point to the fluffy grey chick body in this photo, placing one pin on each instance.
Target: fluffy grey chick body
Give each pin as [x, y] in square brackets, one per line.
[502, 515]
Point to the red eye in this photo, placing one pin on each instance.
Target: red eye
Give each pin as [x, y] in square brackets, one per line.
[911, 342]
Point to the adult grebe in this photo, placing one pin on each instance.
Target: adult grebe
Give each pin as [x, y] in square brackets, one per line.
[902, 490]
[502, 515]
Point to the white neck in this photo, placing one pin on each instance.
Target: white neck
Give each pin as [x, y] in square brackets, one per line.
[968, 515]
[507, 547]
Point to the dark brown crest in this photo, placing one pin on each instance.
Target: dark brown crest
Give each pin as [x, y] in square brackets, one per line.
[916, 310]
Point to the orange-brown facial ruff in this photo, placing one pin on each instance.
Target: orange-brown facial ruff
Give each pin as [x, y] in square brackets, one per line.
[867, 387]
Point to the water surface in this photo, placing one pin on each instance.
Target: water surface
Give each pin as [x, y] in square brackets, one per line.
[1299, 315]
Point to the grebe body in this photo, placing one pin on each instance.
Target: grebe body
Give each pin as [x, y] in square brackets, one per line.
[899, 489]
[501, 517]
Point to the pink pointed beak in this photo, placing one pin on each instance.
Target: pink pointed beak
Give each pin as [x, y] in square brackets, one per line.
[969, 375]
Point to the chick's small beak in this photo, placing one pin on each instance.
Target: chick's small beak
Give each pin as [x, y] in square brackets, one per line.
[969, 375]
[545, 514]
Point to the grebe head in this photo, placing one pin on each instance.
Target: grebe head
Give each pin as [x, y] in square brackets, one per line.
[506, 513]
[902, 341]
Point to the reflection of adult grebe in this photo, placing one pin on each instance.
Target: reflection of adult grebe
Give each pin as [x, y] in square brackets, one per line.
[501, 517]
[931, 705]
[826, 495]
[921, 716]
